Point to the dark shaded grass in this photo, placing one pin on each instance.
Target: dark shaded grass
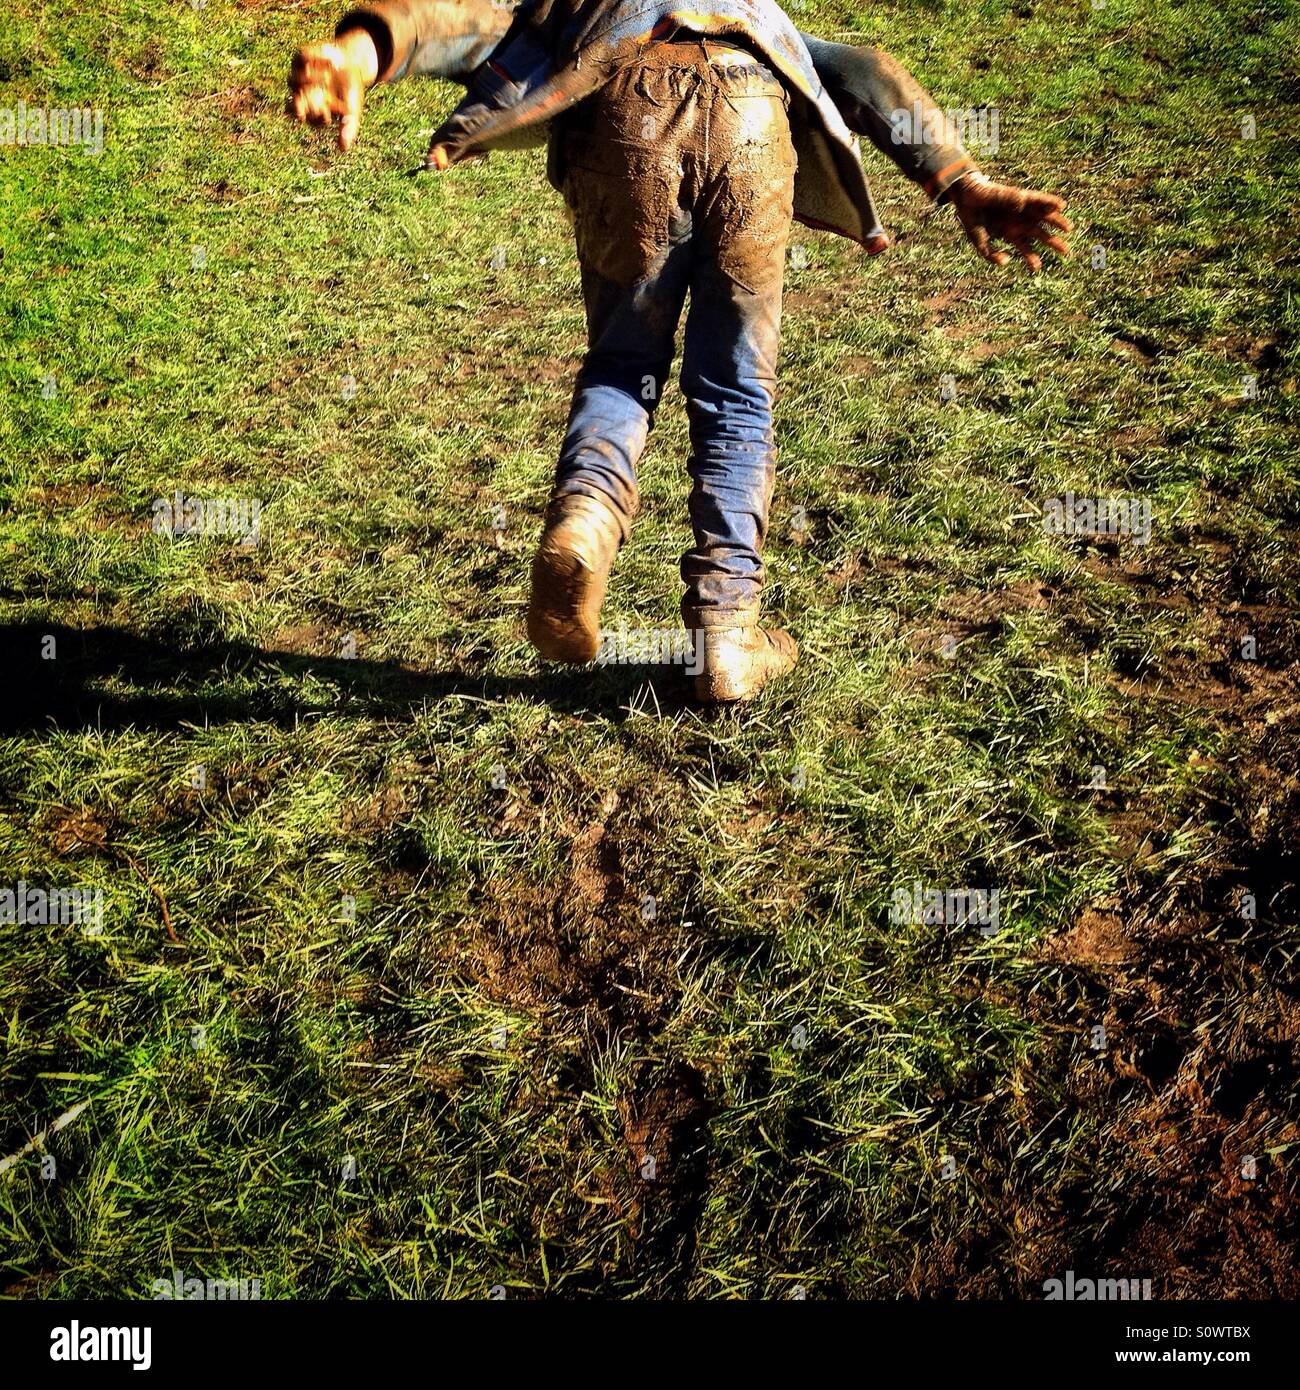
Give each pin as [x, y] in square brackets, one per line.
[410, 897]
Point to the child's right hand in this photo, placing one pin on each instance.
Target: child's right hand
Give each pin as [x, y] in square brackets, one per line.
[328, 82]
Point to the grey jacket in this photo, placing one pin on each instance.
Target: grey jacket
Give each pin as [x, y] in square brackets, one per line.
[525, 65]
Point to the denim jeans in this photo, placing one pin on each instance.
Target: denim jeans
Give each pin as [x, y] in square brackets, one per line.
[679, 174]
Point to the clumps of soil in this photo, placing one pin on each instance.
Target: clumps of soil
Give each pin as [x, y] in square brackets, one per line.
[1138, 346]
[664, 1119]
[545, 949]
[380, 812]
[73, 832]
[952, 301]
[71, 495]
[221, 191]
[239, 101]
[238, 107]
[1098, 940]
[308, 639]
[147, 64]
[663, 1123]
[586, 940]
[993, 607]
[663, 1126]
[1187, 1175]
[236, 787]
[1209, 1212]
[1253, 691]
[1200, 1073]
[596, 867]
[584, 955]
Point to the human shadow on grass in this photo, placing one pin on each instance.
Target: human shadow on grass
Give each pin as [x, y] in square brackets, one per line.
[110, 678]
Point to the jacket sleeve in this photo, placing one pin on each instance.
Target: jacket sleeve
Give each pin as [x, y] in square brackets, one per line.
[431, 38]
[881, 100]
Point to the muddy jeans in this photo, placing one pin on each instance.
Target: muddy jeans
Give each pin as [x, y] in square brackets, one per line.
[680, 175]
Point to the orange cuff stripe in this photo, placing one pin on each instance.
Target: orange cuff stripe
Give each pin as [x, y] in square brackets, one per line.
[934, 182]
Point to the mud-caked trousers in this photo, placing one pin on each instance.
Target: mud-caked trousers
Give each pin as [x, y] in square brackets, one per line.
[679, 175]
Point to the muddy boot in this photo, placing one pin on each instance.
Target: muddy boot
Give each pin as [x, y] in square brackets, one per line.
[738, 656]
[570, 570]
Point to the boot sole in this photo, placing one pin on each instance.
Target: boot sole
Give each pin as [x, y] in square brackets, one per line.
[714, 690]
[562, 585]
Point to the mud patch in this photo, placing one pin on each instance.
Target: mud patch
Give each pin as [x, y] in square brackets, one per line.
[384, 809]
[664, 1120]
[577, 948]
[1192, 1102]
[72, 495]
[221, 191]
[147, 65]
[307, 639]
[1137, 346]
[595, 868]
[1099, 939]
[663, 1127]
[75, 832]
[938, 306]
[974, 343]
[969, 615]
[241, 100]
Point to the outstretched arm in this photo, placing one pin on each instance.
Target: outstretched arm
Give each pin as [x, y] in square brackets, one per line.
[431, 38]
[882, 101]
[384, 41]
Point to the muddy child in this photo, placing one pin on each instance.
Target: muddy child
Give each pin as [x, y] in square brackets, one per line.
[685, 142]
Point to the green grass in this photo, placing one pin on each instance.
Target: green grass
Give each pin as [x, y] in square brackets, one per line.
[380, 954]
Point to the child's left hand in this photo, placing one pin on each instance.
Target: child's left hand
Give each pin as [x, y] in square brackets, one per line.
[1020, 216]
